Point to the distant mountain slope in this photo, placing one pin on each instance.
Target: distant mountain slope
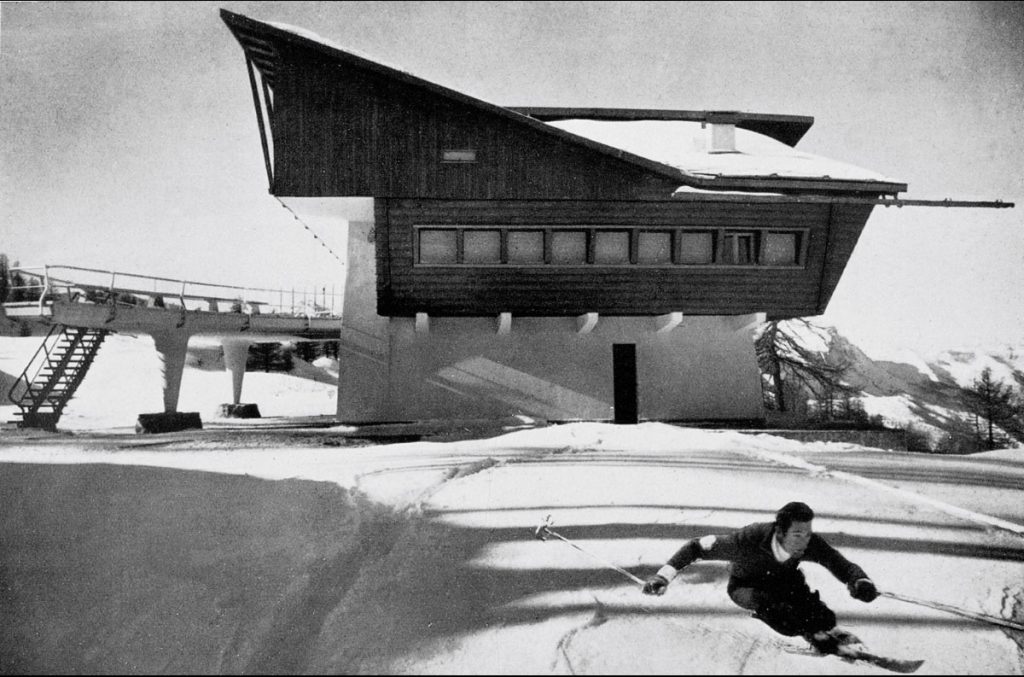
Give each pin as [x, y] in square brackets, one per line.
[924, 391]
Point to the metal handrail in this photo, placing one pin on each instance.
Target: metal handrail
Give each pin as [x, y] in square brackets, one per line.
[49, 285]
[43, 350]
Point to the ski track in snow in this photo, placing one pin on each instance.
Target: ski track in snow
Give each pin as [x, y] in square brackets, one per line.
[955, 511]
[470, 461]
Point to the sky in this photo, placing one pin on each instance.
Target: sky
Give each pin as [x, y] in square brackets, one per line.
[130, 143]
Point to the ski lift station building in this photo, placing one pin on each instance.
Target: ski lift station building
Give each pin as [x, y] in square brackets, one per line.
[602, 264]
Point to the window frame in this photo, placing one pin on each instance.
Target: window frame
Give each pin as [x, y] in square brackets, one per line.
[721, 236]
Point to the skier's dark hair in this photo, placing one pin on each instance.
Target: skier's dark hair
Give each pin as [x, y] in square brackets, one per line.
[792, 512]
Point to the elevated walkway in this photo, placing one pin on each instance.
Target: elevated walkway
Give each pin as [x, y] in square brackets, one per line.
[130, 302]
[83, 305]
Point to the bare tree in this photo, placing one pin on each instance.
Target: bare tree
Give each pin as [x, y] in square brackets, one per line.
[786, 359]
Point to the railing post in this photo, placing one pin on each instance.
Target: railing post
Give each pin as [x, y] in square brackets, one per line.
[46, 288]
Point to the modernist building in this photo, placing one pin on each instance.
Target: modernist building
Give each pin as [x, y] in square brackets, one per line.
[559, 263]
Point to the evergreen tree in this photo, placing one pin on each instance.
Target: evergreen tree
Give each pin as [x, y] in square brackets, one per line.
[5, 284]
[992, 403]
[260, 357]
[17, 291]
[306, 350]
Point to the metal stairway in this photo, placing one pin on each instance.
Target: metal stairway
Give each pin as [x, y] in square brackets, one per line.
[56, 369]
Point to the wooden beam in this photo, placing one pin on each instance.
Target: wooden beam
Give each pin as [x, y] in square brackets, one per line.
[505, 323]
[259, 121]
[585, 323]
[766, 198]
[748, 322]
[668, 321]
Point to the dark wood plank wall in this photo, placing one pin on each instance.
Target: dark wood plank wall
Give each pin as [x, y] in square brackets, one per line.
[846, 224]
[404, 289]
[341, 130]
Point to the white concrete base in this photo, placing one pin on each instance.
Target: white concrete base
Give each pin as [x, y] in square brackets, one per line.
[703, 368]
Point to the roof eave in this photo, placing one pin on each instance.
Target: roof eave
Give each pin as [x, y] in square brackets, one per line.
[774, 183]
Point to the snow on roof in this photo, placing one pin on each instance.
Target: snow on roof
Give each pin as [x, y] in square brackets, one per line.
[684, 145]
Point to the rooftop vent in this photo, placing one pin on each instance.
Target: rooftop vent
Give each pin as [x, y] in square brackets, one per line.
[722, 135]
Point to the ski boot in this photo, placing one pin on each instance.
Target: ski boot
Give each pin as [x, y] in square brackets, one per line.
[836, 641]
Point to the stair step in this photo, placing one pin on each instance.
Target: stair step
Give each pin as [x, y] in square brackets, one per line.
[67, 354]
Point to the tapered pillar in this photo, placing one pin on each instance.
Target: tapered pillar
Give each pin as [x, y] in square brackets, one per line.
[236, 353]
[172, 346]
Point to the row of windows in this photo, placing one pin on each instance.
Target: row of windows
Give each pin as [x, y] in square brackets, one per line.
[479, 246]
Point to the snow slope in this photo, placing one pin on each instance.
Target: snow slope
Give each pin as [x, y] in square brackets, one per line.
[172, 554]
[244, 549]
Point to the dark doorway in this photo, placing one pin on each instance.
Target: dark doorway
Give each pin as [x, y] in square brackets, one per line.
[624, 371]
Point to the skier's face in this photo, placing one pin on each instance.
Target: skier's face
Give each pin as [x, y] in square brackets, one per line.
[795, 540]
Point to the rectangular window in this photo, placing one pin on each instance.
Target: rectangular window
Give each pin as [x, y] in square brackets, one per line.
[654, 247]
[526, 246]
[611, 246]
[738, 249]
[481, 246]
[459, 156]
[696, 247]
[568, 247]
[781, 249]
[438, 245]
[534, 245]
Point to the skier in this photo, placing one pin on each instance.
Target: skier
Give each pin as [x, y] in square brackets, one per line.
[765, 579]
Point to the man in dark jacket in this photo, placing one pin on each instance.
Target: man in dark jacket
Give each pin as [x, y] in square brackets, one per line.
[765, 578]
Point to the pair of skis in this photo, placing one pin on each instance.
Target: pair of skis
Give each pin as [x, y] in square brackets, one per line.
[544, 531]
[901, 665]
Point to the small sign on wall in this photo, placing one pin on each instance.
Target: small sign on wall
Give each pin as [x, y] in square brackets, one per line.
[458, 156]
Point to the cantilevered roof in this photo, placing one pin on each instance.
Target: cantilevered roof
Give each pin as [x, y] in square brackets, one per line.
[788, 129]
[659, 141]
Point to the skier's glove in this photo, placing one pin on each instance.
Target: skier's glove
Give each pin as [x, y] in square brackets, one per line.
[863, 589]
[656, 585]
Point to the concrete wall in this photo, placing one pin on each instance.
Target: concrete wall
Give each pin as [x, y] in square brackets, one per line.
[703, 369]
[392, 370]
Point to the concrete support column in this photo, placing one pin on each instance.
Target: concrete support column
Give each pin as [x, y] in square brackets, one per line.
[172, 346]
[236, 351]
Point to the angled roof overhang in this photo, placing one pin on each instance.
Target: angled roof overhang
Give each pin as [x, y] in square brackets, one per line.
[261, 42]
[788, 129]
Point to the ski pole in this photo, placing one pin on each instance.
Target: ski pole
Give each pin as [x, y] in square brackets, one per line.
[544, 530]
[954, 610]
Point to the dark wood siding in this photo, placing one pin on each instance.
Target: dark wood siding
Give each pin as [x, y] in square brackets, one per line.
[405, 288]
[845, 226]
[341, 130]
